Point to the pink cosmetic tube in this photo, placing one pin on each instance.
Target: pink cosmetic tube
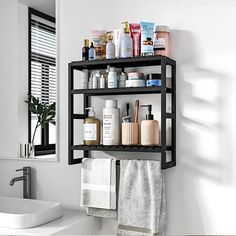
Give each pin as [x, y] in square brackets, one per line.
[135, 34]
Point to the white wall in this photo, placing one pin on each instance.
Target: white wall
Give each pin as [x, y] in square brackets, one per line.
[201, 190]
[8, 70]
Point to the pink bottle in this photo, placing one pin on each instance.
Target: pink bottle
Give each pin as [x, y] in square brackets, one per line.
[161, 41]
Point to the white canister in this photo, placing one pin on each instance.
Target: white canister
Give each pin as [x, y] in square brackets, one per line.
[111, 123]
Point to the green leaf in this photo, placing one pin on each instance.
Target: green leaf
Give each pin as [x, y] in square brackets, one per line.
[53, 122]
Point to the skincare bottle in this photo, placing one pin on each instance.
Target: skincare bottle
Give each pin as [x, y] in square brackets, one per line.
[85, 79]
[122, 80]
[91, 128]
[111, 123]
[126, 43]
[149, 129]
[90, 82]
[85, 50]
[92, 52]
[102, 82]
[104, 46]
[110, 47]
[112, 78]
[96, 79]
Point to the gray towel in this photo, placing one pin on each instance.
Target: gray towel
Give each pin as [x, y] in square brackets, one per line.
[142, 205]
[98, 187]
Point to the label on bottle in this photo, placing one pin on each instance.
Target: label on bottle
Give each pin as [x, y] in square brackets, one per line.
[112, 81]
[159, 44]
[107, 126]
[90, 132]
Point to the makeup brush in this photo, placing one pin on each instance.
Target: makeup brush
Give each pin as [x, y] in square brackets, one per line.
[136, 111]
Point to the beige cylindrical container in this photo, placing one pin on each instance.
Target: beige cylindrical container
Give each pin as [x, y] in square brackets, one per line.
[150, 133]
[149, 129]
[130, 133]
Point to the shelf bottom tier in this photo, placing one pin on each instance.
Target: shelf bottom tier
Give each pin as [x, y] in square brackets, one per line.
[120, 148]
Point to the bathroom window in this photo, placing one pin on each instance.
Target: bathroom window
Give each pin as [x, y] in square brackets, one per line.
[42, 76]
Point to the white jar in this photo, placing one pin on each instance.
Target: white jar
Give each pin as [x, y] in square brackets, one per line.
[111, 123]
[112, 78]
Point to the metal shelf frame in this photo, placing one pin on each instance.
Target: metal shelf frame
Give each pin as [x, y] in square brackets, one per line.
[162, 91]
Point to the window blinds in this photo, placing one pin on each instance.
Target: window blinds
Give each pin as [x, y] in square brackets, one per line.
[43, 60]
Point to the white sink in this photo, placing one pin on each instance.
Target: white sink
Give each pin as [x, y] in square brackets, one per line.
[22, 213]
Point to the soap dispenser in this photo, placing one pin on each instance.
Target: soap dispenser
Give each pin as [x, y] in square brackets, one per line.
[110, 47]
[91, 128]
[149, 129]
[126, 43]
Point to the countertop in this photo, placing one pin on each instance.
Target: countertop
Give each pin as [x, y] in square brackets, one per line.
[71, 223]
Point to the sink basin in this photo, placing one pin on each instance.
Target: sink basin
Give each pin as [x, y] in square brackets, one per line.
[22, 213]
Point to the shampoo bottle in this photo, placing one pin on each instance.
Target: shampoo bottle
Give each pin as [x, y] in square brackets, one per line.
[111, 123]
[110, 47]
[149, 129]
[91, 128]
[126, 43]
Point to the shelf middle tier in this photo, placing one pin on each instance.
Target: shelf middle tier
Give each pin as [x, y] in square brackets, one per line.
[121, 148]
[120, 91]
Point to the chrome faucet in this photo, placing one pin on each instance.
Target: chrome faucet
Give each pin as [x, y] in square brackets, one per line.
[26, 177]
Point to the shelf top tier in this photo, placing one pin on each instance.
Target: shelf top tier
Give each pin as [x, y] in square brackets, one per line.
[122, 62]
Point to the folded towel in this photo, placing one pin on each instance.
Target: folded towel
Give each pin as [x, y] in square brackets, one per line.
[98, 186]
[142, 205]
[91, 211]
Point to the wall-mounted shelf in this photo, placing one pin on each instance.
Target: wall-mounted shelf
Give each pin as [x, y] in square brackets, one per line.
[162, 91]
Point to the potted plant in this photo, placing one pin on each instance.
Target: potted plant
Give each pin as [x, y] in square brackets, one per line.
[45, 114]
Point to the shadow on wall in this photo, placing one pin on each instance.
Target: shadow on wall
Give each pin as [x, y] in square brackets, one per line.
[203, 152]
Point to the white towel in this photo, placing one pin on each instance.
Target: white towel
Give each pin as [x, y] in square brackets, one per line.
[98, 183]
[142, 205]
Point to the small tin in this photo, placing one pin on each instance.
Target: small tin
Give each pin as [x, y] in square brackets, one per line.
[153, 80]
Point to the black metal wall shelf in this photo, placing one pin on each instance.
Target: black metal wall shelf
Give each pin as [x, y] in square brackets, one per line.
[119, 91]
[162, 91]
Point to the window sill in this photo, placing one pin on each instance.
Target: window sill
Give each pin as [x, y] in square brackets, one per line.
[44, 158]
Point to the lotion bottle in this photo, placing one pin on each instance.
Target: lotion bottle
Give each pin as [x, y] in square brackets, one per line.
[111, 123]
[110, 47]
[126, 43]
[91, 128]
[149, 129]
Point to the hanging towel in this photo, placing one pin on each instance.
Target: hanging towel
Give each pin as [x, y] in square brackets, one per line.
[142, 205]
[98, 187]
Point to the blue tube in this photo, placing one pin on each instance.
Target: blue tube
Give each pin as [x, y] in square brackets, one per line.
[147, 29]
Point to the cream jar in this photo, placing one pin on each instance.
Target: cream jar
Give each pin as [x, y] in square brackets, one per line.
[161, 41]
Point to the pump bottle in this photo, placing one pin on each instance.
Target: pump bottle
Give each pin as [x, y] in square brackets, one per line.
[126, 43]
[149, 129]
[91, 128]
[110, 47]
